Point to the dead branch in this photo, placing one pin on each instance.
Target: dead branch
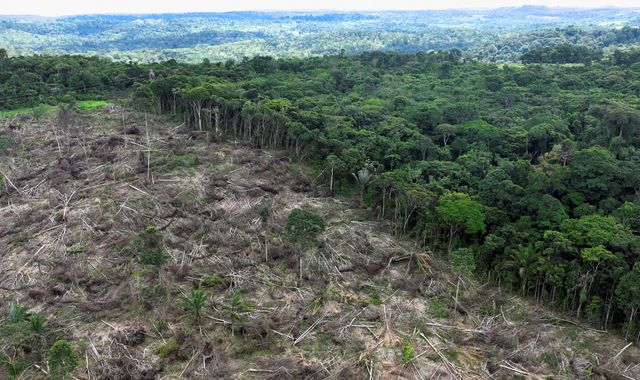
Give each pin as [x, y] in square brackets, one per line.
[307, 331]
[451, 368]
[10, 183]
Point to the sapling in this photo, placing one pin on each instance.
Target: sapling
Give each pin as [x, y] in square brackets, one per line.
[195, 302]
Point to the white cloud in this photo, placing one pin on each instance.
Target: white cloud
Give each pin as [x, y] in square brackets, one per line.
[65, 7]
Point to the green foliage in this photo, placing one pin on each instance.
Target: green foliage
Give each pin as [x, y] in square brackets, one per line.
[452, 353]
[235, 309]
[88, 105]
[76, 249]
[38, 111]
[495, 35]
[565, 53]
[181, 161]
[264, 214]
[592, 230]
[375, 299]
[20, 329]
[149, 247]
[629, 215]
[463, 260]
[594, 308]
[13, 367]
[238, 304]
[533, 167]
[407, 351]
[142, 97]
[17, 334]
[439, 308]
[459, 210]
[628, 293]
[41, 110]
[37, 322]
[62, 360]
[195, 302]
[166, 349]
[593, 170]
[595, 254]
[303, 227]
[211, 281]
[17, 313]
[5, 143]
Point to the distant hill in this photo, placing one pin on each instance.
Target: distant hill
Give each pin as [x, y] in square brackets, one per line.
[499, 35]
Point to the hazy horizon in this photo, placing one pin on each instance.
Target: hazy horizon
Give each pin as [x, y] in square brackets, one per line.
[69, 8]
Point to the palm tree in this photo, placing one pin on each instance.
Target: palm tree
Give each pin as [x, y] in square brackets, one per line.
[195, 302]
[363, 179]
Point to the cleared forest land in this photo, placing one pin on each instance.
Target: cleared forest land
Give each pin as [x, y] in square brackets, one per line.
[110, 235]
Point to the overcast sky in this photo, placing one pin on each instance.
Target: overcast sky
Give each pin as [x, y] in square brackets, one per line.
[66, 7]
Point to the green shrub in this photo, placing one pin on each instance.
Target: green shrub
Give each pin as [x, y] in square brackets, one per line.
[463, 260]
[407, 351]
[13, 367]
[437, 306]
[69, 98]
[303, 227]
[17, 313]
[263, 211]
[63, 360]
[19, 329]
[16, 334]
[41, 110]
[153, 291]
[452, 353]
[149, 248]
[211, 281]
[238, 304]
[594, 309]
[375, 299]
[167, 348]
[37, 324]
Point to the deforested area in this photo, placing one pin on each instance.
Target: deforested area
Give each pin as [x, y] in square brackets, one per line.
[380, 193]
[152, 251]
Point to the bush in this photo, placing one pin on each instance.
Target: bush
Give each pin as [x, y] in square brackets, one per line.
[13, 367]
[211, 281]
[37, 324]
[303, 227]
[20, 330]
[16, 334]
[463, 260]
[62, 360]
[407, 351]
[149, 248]
[167, 348]
[17, 313]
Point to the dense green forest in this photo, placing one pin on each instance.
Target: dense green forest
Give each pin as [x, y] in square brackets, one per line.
[527, 174]
[496, 35]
